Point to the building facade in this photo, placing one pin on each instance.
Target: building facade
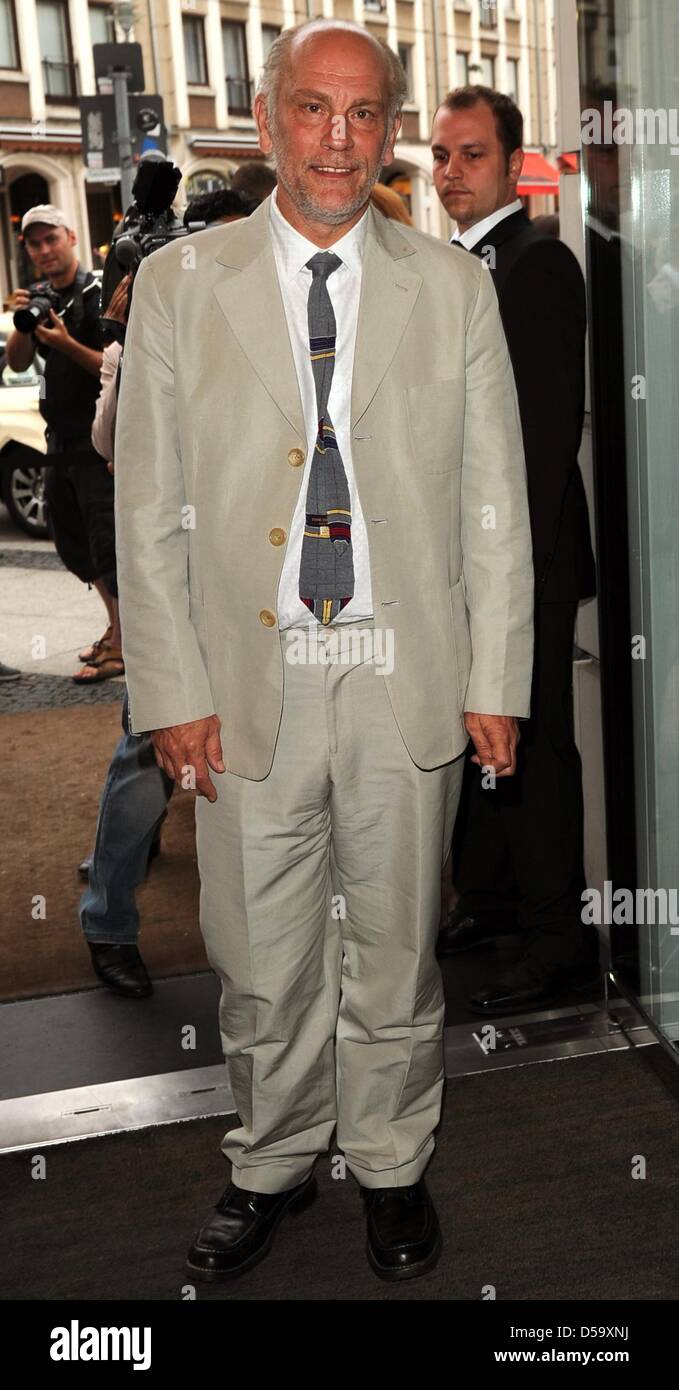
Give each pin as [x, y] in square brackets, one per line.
[204, 56]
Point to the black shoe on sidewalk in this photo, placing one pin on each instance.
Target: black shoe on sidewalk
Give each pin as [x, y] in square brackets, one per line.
[531, 985]
[464, 932]
[241, 1228]
[404, 1236]
[121, 969]
[8, 673]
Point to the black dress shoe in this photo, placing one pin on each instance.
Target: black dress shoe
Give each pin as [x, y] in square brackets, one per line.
[241, 1229]
[404, 1236]
[464, 932]
[120, 968]
[530, 985]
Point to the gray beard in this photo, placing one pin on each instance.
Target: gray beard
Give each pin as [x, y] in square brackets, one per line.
[304, 202]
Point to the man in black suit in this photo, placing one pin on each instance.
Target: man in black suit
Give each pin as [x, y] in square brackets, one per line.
[518, 849]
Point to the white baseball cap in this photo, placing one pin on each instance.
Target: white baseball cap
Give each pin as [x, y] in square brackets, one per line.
[44, 212]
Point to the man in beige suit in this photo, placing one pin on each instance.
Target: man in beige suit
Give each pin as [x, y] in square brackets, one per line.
[332, 712]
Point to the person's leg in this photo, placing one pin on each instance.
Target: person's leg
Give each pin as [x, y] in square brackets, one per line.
[95, 491]
[392, 825]
[68, 529]
[544, 825]
[134, 799]
[265, 916]
[481, 863]
[111, 606]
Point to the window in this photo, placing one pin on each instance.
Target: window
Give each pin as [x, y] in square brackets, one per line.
[487, 70]
[513, 79]
[59, 71]
[9, 51]
[462, 69]
[270, 33]
[488, 18]
[204, 181]
[194, 50]
[405, 53]
[238, 96]
[102, 27]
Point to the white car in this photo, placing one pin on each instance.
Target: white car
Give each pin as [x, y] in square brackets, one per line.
[22, 443]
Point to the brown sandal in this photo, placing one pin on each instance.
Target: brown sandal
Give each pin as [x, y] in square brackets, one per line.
[90, 654]
[109, 664]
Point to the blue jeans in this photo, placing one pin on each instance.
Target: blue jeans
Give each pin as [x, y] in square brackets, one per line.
[134, 798]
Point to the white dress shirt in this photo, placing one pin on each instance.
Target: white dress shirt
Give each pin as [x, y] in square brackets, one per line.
[291, 252]
[473, 235]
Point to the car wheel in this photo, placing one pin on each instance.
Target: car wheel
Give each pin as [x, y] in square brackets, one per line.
[24, 496]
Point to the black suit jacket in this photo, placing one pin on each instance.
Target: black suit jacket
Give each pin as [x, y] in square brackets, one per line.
[541, 293]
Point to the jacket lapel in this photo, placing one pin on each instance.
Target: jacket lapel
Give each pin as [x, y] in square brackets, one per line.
[389, 290]
[251, 302]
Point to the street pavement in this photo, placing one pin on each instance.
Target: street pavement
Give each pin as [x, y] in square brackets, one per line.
[44, 609]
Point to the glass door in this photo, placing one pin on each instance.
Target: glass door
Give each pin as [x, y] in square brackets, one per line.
[629, 66]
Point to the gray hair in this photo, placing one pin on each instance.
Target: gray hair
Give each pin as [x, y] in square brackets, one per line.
[278, 59]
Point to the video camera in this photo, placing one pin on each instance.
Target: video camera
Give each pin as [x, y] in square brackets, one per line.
[148, 224]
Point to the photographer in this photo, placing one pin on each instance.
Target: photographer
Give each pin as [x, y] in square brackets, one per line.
[59, 317]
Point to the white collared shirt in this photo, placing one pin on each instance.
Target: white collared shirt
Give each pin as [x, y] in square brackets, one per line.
[473, 235]
[291, 252]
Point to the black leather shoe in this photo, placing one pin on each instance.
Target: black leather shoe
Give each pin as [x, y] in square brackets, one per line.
[120, 968]
[529, 985]
[404, 1236]
[154, 851]
[464, 932]
[241, 1229]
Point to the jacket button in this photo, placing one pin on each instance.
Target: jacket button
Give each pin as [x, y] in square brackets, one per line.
[277, 536]
[295, 458]
[267, 617]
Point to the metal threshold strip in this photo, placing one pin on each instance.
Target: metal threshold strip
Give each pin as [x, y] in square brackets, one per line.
[88, 1112]
[550, 1036]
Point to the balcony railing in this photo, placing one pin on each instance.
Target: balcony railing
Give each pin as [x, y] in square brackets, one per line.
[239, 94]
[488, 18]
[60, 78]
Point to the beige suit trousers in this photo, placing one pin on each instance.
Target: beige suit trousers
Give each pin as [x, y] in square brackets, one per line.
[320, 903]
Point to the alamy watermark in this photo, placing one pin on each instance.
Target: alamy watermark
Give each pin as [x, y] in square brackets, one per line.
[316, 646]
[622, 907]
[619, 125]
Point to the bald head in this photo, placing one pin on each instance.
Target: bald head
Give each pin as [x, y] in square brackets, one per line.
[350, 42]
[328, 109]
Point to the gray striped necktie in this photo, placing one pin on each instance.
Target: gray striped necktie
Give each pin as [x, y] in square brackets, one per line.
[326, 573]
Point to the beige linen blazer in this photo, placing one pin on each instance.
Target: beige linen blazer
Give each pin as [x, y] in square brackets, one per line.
[209, 445]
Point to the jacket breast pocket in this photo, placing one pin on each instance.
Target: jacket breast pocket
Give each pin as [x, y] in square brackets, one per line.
[436, 423]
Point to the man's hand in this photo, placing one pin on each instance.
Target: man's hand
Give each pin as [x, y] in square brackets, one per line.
[117, 304]
[57, 336]
[495, 737]
[196, 745]
[19, 299]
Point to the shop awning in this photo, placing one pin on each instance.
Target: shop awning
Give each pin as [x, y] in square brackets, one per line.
[537, 175]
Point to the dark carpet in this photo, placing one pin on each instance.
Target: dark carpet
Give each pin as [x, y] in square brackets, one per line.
[532, 1177]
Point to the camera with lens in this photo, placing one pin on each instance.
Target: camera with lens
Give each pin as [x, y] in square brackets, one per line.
[43, 298]
[148, 224]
